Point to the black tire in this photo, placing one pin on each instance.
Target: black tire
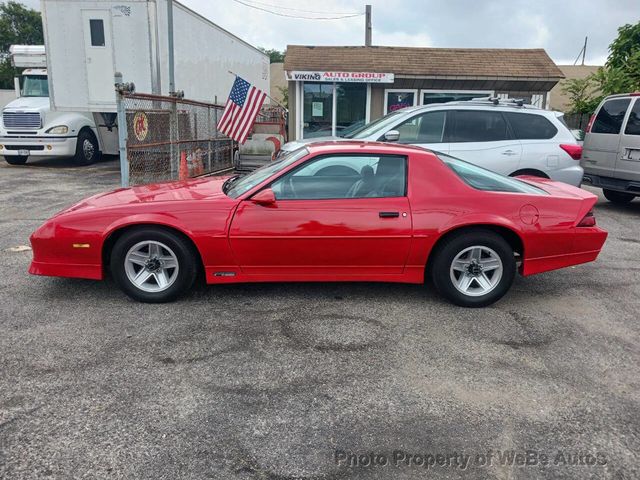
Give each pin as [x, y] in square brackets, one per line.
[533, 173]
[619, 198]
[17, 160]
[184, 251]
[87, 149]
[442, 259]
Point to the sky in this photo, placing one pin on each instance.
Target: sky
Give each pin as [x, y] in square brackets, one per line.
[558, 26]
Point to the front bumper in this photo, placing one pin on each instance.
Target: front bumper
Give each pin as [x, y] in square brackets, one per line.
[38, 146]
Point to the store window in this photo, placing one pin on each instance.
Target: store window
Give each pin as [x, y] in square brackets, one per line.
[318, 109]
[398, 99]
[429, 97]
[351, 107]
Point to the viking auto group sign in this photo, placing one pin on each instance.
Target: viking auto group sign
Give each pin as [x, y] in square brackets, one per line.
[347, 77]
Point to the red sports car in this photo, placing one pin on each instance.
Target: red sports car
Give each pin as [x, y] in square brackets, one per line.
[337, 211]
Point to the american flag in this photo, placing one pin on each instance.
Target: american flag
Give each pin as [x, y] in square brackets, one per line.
[241, 110]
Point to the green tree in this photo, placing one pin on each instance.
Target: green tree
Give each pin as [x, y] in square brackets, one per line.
[581, 93]
[18, 25]
[284, 93]
[275, 56]
[624, 47]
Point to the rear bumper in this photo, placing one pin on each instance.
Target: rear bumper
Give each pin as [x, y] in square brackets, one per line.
[588, 242]
[608, 183]
[571, 175]
[38, 146]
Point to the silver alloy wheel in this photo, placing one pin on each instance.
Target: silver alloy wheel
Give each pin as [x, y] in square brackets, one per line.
[476, 270]
[151, 266]
[88, 149]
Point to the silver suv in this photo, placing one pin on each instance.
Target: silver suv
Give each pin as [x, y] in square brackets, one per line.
[501, 135]
[611, 158]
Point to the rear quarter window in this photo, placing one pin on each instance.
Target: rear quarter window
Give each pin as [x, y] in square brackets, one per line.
[482, 179]
[610, 116]
[530, 126]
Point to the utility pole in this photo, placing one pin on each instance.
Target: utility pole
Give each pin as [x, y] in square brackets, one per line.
[367, 26]
[584, 49]
[172, 80]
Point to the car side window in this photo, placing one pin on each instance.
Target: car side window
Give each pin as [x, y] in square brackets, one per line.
[610, 116]
[344, 176]
[479, 126]
[530, 126]
[633, 124]
[425, 128]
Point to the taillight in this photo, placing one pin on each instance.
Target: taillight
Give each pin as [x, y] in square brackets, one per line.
[574, 151]
[590, 124]
[589, 220]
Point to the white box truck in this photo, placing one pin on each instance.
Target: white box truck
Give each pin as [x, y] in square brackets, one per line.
[30, 128]
[88, 41]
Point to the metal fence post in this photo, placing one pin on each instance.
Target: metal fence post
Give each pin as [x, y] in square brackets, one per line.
[122, 131]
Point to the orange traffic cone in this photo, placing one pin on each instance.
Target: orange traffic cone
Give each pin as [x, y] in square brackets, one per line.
[184, 168]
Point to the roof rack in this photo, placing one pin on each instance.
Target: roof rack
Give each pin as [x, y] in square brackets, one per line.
[497, 101]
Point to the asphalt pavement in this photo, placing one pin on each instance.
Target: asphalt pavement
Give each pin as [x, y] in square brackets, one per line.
[313, 381]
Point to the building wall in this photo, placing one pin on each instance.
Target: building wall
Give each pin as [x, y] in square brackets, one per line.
[6, 96]
[278, 80]
[559, 100]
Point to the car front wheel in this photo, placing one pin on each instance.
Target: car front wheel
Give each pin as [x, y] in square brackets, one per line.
[153, 265]
[474, 268]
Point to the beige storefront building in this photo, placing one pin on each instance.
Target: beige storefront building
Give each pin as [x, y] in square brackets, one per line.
[334, 90]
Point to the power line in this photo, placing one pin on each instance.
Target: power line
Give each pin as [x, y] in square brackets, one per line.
[278, 7]
[342, 17]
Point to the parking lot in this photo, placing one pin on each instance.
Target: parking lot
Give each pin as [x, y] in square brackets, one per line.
[315, 381]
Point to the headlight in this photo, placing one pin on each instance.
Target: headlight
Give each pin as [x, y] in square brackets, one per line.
[58, 129]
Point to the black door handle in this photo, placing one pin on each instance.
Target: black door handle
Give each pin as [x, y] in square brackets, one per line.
[389, 214]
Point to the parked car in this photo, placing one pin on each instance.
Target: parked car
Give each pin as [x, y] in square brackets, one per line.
[611, 156]
[337, 211]
[506, 137]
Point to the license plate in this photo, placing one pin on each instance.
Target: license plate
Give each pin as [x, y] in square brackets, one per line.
[23, 152]
[634, 154]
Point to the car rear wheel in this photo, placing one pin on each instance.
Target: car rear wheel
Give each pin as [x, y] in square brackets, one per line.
[474, 268]
[620, 198]
[16, 160]
[153, 265]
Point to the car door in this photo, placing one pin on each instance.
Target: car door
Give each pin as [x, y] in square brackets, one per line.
[482, 137]
[336, 216]
[426, 130]
[601, 143]
[628, 158]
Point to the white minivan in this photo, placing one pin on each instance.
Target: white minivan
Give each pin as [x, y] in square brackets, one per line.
[504, 136]
[611, 155]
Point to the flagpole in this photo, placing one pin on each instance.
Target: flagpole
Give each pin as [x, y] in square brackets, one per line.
[265, 93]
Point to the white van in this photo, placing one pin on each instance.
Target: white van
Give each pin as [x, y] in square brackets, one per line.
[611, 153]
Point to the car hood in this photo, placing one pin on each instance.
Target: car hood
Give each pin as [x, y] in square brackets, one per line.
[197, 189]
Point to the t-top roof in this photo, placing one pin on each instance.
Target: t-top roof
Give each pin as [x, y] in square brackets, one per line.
[426, 62]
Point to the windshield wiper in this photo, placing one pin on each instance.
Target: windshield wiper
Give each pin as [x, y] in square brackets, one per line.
[227, 183]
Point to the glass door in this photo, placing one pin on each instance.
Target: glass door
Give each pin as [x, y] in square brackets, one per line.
[317, 109]
[351, 107]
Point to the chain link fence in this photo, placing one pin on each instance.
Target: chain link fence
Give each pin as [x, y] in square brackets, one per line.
[169, 138]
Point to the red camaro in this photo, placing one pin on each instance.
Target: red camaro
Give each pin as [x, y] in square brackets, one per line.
[343, 211]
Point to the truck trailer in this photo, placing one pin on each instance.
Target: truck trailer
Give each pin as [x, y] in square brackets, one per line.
[88, 41]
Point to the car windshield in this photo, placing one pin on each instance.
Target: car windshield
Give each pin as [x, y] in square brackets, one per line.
[378, 125]
[236, 186]
[35, 86]
[482, 179]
